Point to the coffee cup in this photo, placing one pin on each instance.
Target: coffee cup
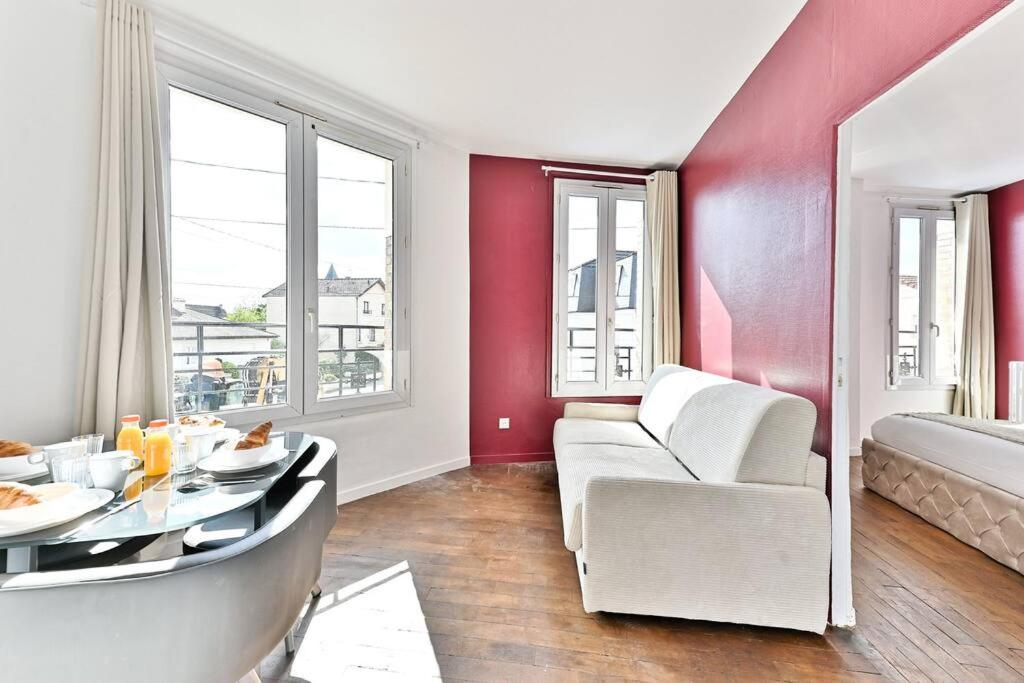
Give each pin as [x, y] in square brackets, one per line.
[109, 470]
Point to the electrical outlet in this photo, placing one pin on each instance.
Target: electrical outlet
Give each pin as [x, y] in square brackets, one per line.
[503, 423]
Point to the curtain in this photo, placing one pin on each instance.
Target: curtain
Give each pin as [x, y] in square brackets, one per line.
[123, 364]
[975, 394]
[663, 223]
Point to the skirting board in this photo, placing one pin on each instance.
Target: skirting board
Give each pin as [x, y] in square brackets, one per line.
[381, 485]
[508, 458]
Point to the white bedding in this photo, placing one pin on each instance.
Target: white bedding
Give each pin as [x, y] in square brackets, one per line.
[995, 461]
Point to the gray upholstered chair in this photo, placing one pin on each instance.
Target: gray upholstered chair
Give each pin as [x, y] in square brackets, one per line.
[206, 617]
[321, 464]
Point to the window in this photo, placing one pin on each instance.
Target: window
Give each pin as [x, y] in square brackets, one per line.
[280, 223]
[601, 341]
[923, 344]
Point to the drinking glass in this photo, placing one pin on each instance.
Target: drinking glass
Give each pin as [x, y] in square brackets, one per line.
[69, 462]
[93, 443]
[185, 456]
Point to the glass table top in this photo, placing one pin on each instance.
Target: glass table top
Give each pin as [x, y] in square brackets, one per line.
[169, 503]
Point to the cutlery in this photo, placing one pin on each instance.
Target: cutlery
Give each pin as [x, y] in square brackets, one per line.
[127, 504]
[113, 511]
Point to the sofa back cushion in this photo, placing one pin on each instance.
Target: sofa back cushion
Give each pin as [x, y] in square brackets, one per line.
[669, 388]
[741, 432]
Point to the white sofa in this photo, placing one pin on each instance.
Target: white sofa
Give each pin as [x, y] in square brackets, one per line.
[703, 502]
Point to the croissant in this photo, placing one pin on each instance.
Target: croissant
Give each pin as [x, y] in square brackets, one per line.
[258, 437]
[12, 448]
[13, 497]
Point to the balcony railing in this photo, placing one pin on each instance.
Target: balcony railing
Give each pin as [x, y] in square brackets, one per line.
[586, 352]
[217, 366]
[907, 355]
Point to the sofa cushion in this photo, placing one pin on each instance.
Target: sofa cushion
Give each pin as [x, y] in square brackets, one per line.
[669, 388]
[578, 463]
[744, 433]
[615, 432]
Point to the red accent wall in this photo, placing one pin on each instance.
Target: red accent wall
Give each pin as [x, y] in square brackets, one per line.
[1006, 227]
[510, 252]
[757, 191]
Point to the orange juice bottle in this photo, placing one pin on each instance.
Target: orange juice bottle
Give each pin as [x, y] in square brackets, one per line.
[130, 436]
[158, 449]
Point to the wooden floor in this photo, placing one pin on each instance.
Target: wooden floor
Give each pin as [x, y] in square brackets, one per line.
[464, 576]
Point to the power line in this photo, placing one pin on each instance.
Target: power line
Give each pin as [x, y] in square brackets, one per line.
[231, 234]
[275, 223]
[250, 169]
[217, 284]
[234, 236]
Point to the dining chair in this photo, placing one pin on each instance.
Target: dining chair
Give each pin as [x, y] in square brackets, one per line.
[208, 617]
[320, 464]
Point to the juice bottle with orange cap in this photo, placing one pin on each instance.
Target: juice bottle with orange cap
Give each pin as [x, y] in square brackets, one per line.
[130, 437]
[158, 449]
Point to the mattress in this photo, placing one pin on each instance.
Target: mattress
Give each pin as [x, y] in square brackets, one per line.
[995, 461]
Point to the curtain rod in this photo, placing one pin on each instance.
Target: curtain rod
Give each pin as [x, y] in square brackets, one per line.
[548, 169]
[926, 199]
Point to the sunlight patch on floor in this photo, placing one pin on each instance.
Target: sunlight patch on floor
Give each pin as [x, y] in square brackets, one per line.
[366, 629]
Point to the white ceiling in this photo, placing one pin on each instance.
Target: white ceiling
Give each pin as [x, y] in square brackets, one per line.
[602, 81]
[956, 124]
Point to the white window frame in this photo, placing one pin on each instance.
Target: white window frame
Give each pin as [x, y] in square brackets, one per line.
[927, 328]
[237, 89]
[605, 384]
[400, 154]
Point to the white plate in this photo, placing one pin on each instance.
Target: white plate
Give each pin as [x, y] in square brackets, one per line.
[64, 510]
[18, 468]
[221, 462]
[228, 434]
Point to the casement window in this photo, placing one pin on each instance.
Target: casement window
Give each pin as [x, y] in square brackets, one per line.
[923, 343]
[266, 205]
[601, 308]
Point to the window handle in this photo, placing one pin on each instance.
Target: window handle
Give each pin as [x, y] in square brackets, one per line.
[311, 317]
[938, 330]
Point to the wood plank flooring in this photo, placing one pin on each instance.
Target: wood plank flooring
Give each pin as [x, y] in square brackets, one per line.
[464, 576]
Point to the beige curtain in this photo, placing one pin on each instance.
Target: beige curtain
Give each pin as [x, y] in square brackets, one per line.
[976, 392]
[123, 366]
[663, 223]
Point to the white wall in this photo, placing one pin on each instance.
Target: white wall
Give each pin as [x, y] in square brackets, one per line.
[47, 178]
[48, 124]
[386, 449]
[870, 247]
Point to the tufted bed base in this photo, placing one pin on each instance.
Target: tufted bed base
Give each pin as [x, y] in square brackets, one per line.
[978, 514]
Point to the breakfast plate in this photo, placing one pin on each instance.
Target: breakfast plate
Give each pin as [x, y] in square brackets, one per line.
[226, 460]
[52, 512]
[18, 468]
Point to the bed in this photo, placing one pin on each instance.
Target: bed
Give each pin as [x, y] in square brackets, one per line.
[965, 482]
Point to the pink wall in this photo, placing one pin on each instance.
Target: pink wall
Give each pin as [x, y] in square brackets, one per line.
[1006, 225]
[510, 251]
[757, 191]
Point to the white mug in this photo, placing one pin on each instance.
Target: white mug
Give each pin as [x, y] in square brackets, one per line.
[109, 470]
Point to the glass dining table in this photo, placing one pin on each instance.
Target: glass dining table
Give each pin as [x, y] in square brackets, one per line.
[159, 505]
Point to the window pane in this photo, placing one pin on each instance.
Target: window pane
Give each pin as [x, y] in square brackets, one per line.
[582, 291]
[354, 275]
[909, 297]
[228, 256]
[945, 297]
[629, 291]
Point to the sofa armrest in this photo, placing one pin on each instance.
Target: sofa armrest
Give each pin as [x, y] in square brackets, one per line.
[602, 411]
[751, 553]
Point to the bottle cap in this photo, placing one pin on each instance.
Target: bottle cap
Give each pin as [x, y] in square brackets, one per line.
[130, 418]
[158, 423]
